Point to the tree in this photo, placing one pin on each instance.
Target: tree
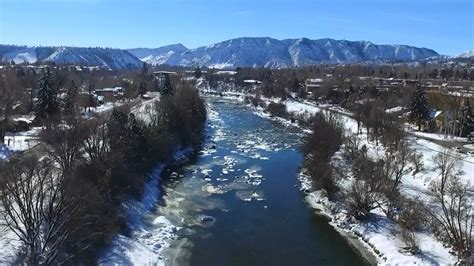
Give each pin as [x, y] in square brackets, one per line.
[165, 85]
[419, 107]
[318, 149]
[142, 87]
[197, 72]
[70, 103]
[396, 164]
[452, 204]
[37, 209]
[467, 119]
[64, 143]
[47, 103]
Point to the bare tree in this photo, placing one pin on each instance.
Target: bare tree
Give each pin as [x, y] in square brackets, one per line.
[452, 204]
[35, 207]
[96, 143]
[64, 143]
[396, 164]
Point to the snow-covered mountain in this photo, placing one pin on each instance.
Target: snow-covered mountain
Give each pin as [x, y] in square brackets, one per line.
[268, 52]
[106, 57]
[467, 54]
[250, 52]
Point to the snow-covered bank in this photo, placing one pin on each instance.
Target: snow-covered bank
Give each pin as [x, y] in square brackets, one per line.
[5, 152]
[380, 234]
[150, 234]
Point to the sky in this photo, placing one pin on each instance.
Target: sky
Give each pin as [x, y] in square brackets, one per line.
[445, 26]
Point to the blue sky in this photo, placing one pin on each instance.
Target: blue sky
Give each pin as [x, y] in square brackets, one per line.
[446, 26]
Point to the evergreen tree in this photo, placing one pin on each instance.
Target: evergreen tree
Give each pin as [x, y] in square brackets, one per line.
[156, 85]
[142, 87]
[144, 70]
[92, 102]
[197, 72]
[419, 107]
[467, 119]
[70, 105]
[46, 104]
[295, 83]
[165, 86]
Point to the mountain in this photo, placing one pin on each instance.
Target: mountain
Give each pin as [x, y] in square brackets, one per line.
[243, 52]
[106, 57]
[169, 54]
[467, 54]
[268, 52]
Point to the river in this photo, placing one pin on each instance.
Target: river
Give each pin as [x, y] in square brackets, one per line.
[237, 201]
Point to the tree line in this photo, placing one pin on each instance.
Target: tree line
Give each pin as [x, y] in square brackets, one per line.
[64, 200]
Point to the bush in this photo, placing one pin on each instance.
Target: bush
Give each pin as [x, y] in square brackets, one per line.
[360, 200]
[277, 109]
[318, 149]
[413, 215]
[410, 240]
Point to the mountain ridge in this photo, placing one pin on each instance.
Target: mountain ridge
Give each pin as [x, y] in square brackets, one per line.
[91, 56]
[270, 52]
[231, 53]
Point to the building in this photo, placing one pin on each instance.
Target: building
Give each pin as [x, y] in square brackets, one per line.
[109, 94]
[313, 84]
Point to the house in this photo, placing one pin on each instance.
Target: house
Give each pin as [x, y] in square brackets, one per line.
[313, 84]
[109, 94]
[252, 82]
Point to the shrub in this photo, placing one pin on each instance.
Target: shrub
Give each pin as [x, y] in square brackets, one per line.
[360, 200]
[410, 240]
[277, 109]
[318, 149]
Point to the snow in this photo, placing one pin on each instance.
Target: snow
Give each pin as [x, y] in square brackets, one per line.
[395, 110]
[466, 54]
[380, 235]
[223, 72]
[23, 140]
[104, 57]
[5, 152]
[27, 55]
[148, 238]
[438, 136]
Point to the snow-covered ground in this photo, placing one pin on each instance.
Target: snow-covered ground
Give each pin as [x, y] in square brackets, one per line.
[126, 250]
[5, 152]
[381, 236]
[438, 136]
[148, 239]
[23, 140]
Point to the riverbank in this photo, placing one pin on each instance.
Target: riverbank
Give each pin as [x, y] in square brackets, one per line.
[380, 235]
[227, 202]
[148, 236]
[362, 247]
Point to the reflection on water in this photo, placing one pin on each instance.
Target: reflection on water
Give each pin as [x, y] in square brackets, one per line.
[237, 201]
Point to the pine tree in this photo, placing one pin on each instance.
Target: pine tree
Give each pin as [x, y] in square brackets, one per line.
[70, 105]
[197, 72]
[92, 102]
[165, 86]
[419, 107]
[295, 83]
[46, 104]
[467, 119]
[142, 87]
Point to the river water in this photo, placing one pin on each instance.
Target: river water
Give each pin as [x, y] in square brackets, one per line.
[237, 202]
